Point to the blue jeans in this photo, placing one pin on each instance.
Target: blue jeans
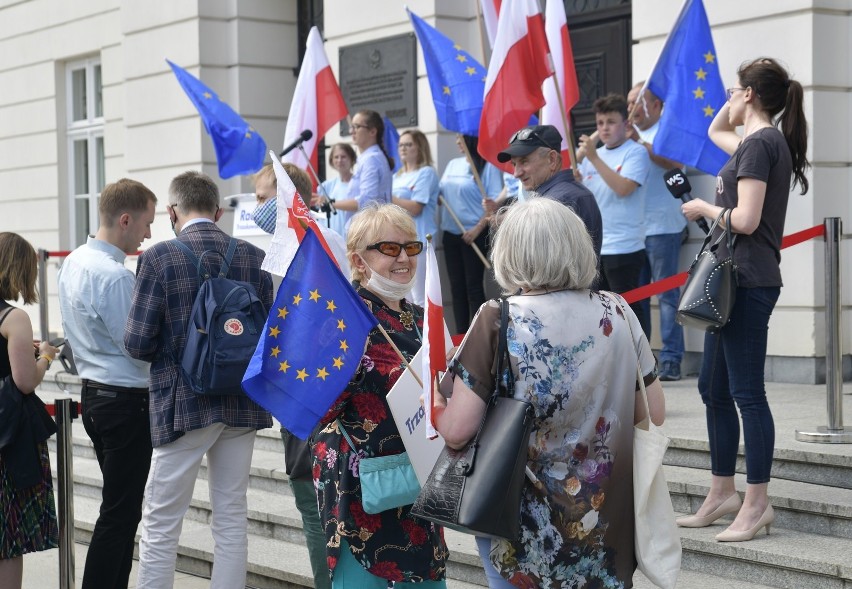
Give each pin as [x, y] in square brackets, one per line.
[663, 252]
[495, 580]
[732, 377]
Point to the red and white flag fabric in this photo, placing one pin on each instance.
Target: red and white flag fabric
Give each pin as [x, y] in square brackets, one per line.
[317, 102]
[490, 14]
[434, 345]
[292, 221]
[565, 74]
[519, 64]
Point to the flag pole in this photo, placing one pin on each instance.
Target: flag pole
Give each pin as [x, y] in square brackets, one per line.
[404, 361]
[476, 249]
[568, 135]
[473, 168]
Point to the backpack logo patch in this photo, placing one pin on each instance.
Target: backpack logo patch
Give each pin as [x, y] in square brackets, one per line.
[233, 326]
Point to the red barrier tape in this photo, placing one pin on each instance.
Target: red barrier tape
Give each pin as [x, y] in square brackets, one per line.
[631, 296]
[65, 254]
[655, 288]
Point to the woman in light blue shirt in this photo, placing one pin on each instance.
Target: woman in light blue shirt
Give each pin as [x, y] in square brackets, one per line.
[372, 181]
[415, 189]
[342, 158]
[464, 222]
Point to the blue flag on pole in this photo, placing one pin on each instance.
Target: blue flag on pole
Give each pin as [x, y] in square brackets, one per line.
[686, 78]
[312, 343]
[239, 148]
[391, 142]
[456, 79]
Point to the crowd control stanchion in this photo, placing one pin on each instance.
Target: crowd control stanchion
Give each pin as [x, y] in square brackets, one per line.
[43, 255]
[66, 410]
[834, 432]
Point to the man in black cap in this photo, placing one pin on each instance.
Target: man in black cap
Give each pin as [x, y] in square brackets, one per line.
[535, 152]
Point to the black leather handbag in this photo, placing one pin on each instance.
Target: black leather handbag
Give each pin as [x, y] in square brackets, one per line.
[711, 288]
[477, 490]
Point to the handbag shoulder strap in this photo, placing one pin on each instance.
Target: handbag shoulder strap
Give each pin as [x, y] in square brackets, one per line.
[503, 388]
[345, 434]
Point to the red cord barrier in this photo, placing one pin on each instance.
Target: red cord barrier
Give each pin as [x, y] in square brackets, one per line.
[65, 254]
[631, 296]
[655, 288]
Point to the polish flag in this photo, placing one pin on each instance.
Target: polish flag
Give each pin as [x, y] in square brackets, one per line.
[434, 345]
[293, 220]
[519, 65]
[556, 28]
[490, 14]
[317, 102]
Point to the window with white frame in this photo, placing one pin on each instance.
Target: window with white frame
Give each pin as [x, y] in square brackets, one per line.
[85, 134]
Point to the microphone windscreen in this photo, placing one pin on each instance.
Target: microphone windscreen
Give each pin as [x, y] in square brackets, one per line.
[307, 134]
[677, 182]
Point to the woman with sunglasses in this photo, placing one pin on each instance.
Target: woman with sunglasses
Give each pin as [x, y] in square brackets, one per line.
[766, 162]
[372, 182]
[462, 195]
[415, 189]
[365, 550]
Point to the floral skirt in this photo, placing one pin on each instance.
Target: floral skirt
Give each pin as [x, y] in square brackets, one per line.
[28, 515]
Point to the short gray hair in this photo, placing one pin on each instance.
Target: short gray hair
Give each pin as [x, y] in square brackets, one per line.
[543, 244]
[194, 192]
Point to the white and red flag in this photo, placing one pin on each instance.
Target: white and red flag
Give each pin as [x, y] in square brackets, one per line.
[490, 14]
[519, 65]
[293, 220]
[317, 102]
[434, 342]
[565, 74]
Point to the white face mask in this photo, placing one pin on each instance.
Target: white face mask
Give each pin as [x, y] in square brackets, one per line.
[385, 287]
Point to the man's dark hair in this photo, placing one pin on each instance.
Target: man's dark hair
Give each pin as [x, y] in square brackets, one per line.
[194, 192]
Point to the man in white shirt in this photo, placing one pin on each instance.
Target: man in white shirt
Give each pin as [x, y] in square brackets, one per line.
[95, 290]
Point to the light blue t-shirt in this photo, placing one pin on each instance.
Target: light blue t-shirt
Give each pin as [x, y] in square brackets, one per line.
[459, 189]
[662, 210]
[95, 290]
[420, 185]
[338, 190]
[372, 181]
[623, 216]
[514, 187]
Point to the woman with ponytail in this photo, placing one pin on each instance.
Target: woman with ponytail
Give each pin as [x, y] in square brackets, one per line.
[372, 181]
[755, 185]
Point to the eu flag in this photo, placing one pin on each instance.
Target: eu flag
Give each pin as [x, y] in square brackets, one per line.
[391, 142]
[239, 148]
[312, 343]
[456, 79]
[686, 78]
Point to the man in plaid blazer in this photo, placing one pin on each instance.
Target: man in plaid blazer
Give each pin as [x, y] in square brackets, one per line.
[185, 427]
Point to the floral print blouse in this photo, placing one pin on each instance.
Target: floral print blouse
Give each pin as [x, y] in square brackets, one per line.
[392, 544]
[574, 359]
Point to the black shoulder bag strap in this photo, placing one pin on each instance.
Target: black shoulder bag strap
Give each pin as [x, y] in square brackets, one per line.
[503, 387]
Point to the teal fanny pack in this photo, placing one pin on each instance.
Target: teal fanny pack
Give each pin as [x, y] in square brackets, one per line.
[387, 482]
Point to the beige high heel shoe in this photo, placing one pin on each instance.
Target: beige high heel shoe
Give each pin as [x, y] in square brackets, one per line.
[730, 505]
[766, 519]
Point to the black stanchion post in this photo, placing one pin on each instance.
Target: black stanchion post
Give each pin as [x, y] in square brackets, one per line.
[66, 410]
[834, 433]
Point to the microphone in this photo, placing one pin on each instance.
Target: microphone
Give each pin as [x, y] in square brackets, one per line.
[678, 185]
[303, 136]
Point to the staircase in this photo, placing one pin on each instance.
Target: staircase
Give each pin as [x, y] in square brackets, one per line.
[809, 547]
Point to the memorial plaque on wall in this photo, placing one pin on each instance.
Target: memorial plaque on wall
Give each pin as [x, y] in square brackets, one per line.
[381, 75]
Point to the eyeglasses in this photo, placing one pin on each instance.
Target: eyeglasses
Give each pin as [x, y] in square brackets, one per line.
[393, 249]
[406, 145]
[526, 133]
[730, 92]
[355, 126]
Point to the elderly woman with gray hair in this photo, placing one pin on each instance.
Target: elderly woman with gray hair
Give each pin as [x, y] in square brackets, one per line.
[573, 352]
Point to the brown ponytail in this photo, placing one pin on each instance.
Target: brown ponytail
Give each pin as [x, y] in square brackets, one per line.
[778, 93]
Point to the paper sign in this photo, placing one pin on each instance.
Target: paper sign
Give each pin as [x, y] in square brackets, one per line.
[409, 416]
[244, 225]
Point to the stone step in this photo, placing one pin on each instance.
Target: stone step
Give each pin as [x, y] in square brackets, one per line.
[806, 507]
[785, 558]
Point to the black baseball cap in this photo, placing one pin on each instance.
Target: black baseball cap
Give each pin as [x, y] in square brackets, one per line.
[528, 139]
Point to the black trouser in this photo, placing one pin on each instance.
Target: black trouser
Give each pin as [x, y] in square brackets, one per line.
[116, 419]
[466, 272]
[620, 273]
